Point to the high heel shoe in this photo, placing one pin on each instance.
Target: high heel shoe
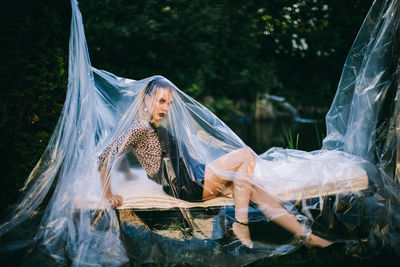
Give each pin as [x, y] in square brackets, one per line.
[305, 239]
[243, 237]
[312, 241]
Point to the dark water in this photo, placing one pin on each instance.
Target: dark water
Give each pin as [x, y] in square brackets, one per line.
[262, 135]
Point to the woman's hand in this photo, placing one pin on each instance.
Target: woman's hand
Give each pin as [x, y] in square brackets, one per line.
[115, 200]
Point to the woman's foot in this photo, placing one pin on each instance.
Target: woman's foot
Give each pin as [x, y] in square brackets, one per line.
[242, 232]
[312, 241]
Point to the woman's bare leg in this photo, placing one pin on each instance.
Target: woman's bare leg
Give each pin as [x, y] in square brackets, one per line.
[242, 194]
[279, 215]
[238, 162]
[242, 162]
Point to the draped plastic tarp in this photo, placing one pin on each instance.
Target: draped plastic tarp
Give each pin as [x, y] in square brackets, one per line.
[162, 152]
[364, 117]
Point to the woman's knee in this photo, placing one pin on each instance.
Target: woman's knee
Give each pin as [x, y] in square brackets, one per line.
[246, 154]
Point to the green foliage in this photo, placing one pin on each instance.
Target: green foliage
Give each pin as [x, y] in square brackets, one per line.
[308, 41]
[225, 108]
[228, 49]
[34, 38]
[205, 48]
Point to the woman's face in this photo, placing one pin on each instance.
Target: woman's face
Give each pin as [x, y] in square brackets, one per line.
[159, 103]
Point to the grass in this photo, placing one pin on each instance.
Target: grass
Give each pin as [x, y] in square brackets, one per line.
[319, 137]
[289, 142]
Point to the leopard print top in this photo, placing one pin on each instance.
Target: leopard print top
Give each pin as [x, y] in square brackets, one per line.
[142, 138]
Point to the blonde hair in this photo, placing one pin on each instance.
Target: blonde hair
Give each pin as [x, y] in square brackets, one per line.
[150, 89]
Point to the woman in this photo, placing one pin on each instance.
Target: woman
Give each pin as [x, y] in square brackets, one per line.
[151, 143]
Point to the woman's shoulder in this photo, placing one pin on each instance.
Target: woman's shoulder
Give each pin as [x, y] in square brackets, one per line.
[140, 124]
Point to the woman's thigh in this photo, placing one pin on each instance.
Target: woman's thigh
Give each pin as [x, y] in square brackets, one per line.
[218, 173]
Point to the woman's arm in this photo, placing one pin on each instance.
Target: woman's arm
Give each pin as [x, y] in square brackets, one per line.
[115, 149]
[115, 200]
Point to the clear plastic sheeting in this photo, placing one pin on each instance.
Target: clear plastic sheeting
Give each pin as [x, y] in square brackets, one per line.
[138, 172]
[364, 118]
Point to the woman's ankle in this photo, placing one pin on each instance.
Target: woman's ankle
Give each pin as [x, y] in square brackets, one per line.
[242, 232]
[244, 222]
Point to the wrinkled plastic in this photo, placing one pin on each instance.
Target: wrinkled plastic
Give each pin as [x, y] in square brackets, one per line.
[109, 138]
[364, 117]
